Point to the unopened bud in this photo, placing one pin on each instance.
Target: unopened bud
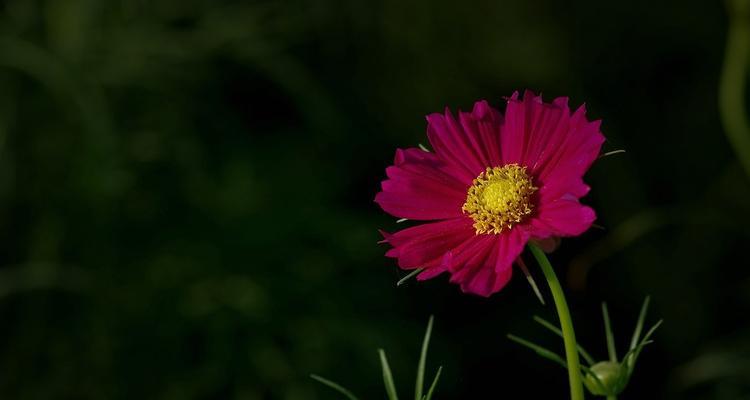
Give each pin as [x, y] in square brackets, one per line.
[606, 378]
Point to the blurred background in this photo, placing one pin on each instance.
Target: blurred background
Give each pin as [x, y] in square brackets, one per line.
[186, 196]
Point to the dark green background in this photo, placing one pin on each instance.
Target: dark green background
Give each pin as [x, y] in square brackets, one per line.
[186, 196]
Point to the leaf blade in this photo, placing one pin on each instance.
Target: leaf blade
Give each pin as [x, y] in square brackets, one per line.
[539, 350]
[531, 280]
[639, 325]
[610, 336]
[408, 276]
[434, 384]
[585, 354]
[335, 386]
[390, 386]
[419, 385]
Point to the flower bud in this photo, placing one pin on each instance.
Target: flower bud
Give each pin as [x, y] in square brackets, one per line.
[606, 378]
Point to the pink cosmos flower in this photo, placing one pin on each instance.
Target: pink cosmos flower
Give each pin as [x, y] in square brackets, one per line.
[492, 184]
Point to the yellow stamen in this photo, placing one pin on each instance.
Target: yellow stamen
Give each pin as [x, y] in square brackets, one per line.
[498, 198]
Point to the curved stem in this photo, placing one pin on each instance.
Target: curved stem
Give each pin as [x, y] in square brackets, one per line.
[732, 83]
[566, 323]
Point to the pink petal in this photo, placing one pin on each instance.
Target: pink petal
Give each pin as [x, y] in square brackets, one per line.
[483, 264]
[563, 217]
[530, 127]
[423, 246]
[574, 156]
[514, 131]
[561, 186]
[484, 123]
[569, 153]
[471, 145]
[420, 187]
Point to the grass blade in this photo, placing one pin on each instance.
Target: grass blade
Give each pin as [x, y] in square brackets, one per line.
[409, 276]
[651, 331]
[585, 354]
[610, 336]
[588, 371]
[639, 325]
[611, 153]
[530, 278]
[390, 387]
[434, 383]
[633, 352]
[630, 364]
[647, 336]
[335, 386]
[422, 361]
[548, 354]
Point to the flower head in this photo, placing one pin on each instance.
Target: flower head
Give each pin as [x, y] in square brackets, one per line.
[492, 183]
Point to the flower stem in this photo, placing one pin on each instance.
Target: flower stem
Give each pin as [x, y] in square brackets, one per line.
[733, 80]
[566, 323]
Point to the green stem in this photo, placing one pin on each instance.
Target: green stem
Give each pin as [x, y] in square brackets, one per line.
[566, 323]
[611, 397]
[732, 83]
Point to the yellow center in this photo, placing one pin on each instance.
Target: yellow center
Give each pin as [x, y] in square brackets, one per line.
[498, 198]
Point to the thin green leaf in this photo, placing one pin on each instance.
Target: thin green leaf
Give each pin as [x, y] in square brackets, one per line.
[639, 325]
[409, 276]
[586, 356]
[335, 386]
[647, 336]
[610, 336]
[428, 396]
[633, 352]
[390, 387]
[610, 153]
[653, 329]
[539, 350]
[422, 361]
[637, 351]
[631, 357]
[599, 382]
[530, 279]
